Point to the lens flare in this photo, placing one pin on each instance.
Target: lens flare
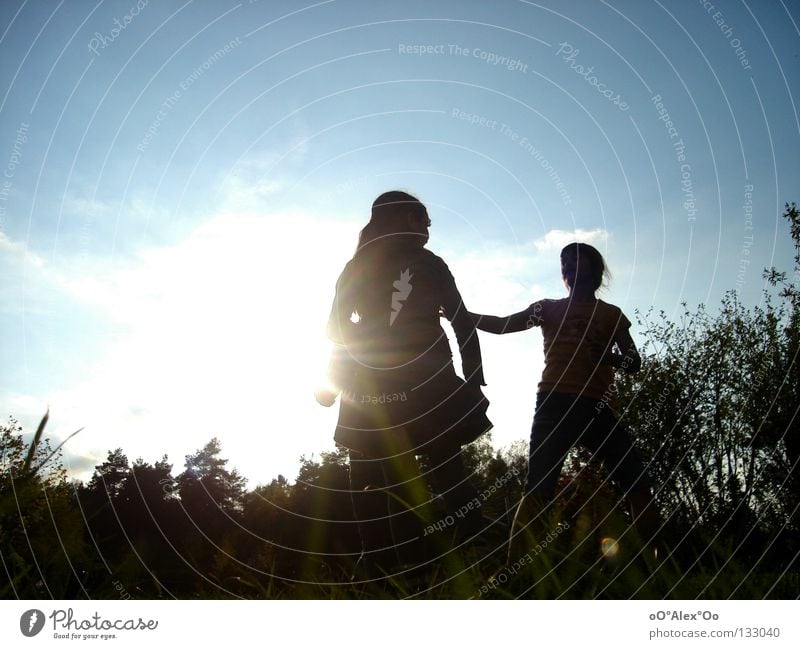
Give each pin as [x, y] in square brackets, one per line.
[610, 547]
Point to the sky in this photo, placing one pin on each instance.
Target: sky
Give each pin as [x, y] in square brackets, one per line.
[182, 183]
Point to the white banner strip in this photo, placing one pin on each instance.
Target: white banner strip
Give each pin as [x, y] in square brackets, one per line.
[400, 624]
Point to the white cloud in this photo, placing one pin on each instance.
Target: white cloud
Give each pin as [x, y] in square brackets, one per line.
[25, 284]
[244, 193]
[86, 208]
[252, 181]
[555, 240]
[16, 251]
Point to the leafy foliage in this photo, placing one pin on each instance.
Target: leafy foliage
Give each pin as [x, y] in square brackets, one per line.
[42, 546]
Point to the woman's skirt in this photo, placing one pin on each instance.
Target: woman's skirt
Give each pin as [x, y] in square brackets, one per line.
[419, 407]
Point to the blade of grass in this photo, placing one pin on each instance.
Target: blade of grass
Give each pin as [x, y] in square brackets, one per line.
[55, 450]
[37, 438]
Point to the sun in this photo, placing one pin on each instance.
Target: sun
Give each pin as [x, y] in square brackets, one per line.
[220, 335]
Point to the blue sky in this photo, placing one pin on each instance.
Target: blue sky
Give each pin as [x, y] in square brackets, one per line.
[183, 181]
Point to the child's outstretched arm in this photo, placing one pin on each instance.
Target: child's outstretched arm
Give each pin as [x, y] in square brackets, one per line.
[516, 322]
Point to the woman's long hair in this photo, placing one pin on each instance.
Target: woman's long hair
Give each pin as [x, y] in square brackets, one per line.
[391, 231]
[388, 223]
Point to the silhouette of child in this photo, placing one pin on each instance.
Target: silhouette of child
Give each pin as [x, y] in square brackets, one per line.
[584, 340]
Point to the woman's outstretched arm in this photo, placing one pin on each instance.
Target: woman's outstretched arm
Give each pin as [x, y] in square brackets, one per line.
[469, 346]
[509, 324]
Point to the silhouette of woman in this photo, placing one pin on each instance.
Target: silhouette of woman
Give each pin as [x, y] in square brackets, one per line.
[576, 399]
[400, 395]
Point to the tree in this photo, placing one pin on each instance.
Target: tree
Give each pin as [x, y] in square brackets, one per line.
[207, 484]
[103, 504]
[786, 420]
[715, 409]
[212, 500]
[110, 476]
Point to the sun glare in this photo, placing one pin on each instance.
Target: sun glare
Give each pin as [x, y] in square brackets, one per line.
[224, 335]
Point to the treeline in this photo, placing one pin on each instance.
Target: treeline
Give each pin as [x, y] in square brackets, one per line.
[715, 409]
[138, 530]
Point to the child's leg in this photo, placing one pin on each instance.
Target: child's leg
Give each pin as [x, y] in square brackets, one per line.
[644, 512]
[555, 427]
[611, 443]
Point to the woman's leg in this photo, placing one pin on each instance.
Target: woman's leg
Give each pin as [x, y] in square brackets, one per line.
[450, 479]
[370, 509]
[389, 497]
[408, 502]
